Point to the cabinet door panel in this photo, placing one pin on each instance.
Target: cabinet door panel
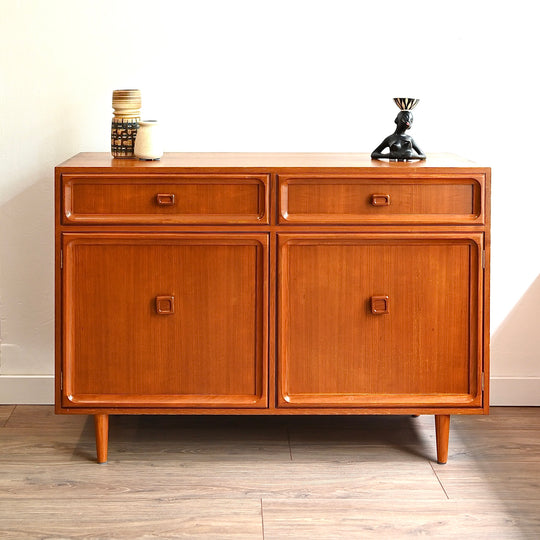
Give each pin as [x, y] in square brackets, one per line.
[165, 320]
[379, 320]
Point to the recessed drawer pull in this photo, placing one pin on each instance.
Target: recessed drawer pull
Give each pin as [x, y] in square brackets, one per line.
[165, 199]
[164, 305]
[380, 305]
[380, 199]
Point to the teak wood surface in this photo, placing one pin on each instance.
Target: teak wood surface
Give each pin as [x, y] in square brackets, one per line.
[165, 198]
[326, 284]
[272, 284]
[120, 350]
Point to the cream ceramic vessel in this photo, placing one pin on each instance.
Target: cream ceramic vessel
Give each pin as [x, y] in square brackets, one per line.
[149, 144]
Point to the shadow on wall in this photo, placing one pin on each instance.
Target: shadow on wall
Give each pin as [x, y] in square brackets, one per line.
[27, 280]
[515, 352]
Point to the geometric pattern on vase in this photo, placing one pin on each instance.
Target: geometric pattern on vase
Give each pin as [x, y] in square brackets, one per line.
[406, 104]
[123, 134]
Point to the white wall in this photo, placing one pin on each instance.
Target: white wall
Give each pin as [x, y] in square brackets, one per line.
[267, 76]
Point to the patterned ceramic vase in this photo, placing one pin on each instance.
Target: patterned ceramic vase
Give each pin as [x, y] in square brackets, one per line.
[125, 122]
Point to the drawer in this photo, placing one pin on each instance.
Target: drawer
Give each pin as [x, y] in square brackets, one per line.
[165, 199]
[354, 199]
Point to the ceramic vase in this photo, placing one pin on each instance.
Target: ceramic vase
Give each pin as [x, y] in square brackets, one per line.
[125, 123]
[148, 144]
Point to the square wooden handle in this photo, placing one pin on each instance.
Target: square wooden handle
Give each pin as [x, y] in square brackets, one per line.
[380, 305]
[164, 305]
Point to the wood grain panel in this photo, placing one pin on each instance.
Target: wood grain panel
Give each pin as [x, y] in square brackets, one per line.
[333, 350]
[370, 519]
[353, 199]
[225, 198]
[518, 480]
[117, 518]
[5, 413]
[118, 350]
[236, 479]
[174, 161]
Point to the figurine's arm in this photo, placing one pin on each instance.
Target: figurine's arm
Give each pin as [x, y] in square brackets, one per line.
[421, 154]
[377, 153]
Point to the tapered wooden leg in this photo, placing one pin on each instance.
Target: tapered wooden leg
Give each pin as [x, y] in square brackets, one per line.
[442, 433]
[102, 436]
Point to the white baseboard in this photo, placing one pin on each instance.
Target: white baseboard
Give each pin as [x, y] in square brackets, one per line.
[39, 390]
[26, 389]
[515, 391]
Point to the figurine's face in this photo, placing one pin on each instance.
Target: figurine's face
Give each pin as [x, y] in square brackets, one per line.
[404, 119]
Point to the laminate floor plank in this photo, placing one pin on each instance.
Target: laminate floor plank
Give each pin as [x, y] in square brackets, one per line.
[113, 518]
[361, 453]
[398, 438]
[181, 445]
[481, 480]
[501, 436]
[495, 445]
[223, 479]
[502, 417]
[499, 418]
[43, 417]
[368, 519]
[5, 413]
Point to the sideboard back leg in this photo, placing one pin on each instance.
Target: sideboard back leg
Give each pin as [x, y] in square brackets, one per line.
[442, 433]
[102, 436]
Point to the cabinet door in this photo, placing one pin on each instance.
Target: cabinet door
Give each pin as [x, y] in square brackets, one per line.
[379, 320]
[165, 320]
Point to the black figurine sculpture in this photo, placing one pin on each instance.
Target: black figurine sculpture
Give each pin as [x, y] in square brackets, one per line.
[401, 147]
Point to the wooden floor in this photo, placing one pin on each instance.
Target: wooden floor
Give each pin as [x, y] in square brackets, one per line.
[271, 478]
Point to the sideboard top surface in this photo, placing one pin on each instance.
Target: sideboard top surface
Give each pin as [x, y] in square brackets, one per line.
[262, 162]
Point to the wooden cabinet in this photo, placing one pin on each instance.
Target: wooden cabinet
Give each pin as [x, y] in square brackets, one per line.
[271, 284]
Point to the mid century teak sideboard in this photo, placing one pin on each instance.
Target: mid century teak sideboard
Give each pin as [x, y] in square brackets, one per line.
[319, 284]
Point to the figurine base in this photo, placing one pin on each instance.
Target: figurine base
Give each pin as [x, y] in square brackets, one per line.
[398, 160]
[406, 159]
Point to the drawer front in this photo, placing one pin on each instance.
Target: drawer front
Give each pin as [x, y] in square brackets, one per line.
[164, 199]
[352, 199]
